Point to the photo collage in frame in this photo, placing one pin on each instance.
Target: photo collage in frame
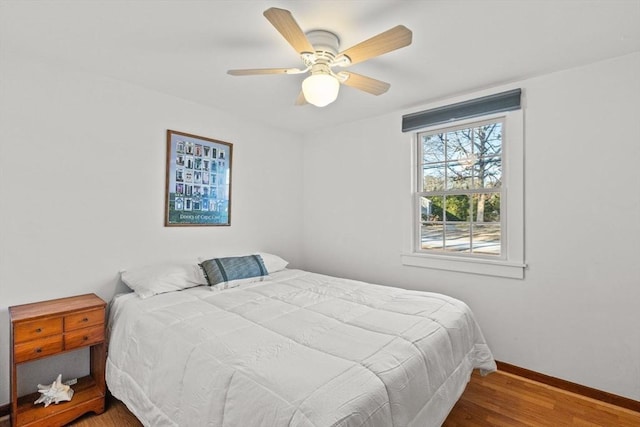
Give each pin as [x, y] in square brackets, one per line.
[198, 180]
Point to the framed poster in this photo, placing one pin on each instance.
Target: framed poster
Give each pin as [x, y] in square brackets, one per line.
[198, 182]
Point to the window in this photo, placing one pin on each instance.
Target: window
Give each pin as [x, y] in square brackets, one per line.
[467, 207]
[460, 190]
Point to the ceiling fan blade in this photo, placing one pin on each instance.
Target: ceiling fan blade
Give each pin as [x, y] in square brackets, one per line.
[364, 83]
[388, 41]
[283, 21]
[257, 71]
[301, 100]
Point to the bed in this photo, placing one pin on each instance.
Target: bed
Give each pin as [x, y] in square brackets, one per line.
[299, 349]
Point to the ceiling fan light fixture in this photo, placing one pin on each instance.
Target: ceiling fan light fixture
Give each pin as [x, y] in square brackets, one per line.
[320, 89]
[320, 52]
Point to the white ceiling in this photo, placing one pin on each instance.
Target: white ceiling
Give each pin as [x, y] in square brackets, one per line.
[183, 48]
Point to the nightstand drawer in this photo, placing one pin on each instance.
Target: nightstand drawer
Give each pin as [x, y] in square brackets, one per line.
[35, 329]
[83, 319]
[82, 337]
[37, 348]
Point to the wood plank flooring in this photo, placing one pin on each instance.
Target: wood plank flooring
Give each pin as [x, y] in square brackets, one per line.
[503, 399]
[499, 399]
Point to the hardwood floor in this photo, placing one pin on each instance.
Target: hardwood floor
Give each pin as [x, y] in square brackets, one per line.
[499, 399]
[503, 399]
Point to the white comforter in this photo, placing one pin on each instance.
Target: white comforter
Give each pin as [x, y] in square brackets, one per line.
[301, 349]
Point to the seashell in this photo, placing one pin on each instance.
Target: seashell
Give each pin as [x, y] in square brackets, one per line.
[54, 393]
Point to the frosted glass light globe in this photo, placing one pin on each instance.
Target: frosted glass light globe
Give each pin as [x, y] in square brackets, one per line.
[320, 89]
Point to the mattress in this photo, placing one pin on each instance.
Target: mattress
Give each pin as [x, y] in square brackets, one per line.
[300, 349]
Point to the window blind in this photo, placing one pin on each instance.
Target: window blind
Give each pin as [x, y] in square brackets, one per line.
[496, 103]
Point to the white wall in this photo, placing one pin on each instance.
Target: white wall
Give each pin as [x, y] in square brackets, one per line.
[82, 175]
[576, 314]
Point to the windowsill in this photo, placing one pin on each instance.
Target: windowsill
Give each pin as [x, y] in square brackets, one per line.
[487, 267]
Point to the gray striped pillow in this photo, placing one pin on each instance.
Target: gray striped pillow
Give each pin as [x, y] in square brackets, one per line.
[221, 271]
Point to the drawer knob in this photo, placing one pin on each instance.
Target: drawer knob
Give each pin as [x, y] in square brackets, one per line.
[38, 350]
[85, 338]
[85, 319]
[38, 330]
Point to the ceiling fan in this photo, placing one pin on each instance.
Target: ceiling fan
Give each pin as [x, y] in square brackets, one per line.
[319, 50]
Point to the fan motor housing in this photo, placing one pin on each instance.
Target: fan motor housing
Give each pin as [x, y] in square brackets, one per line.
[324, 42]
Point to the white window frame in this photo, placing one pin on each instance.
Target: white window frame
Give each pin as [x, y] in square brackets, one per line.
[510, 263]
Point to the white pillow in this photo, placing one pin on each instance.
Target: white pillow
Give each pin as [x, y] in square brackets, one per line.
[160, 278]
[272, 262]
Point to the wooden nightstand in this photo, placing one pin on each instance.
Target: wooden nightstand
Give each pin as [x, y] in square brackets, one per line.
[52, 327]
